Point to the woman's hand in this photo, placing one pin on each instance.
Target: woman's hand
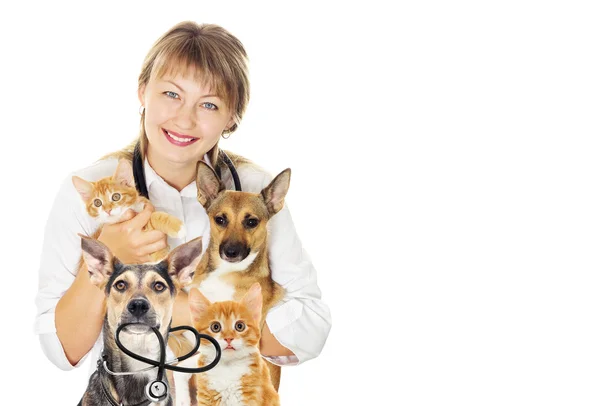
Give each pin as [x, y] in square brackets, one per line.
[128, 242]
[181, 311]
[269, 346]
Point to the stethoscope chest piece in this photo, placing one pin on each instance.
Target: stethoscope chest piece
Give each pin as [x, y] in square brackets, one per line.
[156, 391]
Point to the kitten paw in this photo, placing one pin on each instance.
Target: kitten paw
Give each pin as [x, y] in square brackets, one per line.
[181, 233]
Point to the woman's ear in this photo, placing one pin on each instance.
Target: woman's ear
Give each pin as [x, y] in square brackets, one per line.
[141, 92]
[230, 123]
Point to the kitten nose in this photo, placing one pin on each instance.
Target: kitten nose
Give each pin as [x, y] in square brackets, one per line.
[229, 340]
[138, 307]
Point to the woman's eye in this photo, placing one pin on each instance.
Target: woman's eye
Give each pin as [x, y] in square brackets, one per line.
[172, 95]
[210, 106]
[159, 286]
[97, 202]
[240, 326]
[215, 327]
[120, 286]
[116, 197]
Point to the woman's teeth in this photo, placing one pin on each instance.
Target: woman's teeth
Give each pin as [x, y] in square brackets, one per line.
[178, 138]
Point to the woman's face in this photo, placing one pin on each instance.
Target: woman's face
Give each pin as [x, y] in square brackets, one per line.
[183, 119]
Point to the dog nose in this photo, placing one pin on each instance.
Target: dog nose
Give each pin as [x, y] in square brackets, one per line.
[232, 251]
[138, 307]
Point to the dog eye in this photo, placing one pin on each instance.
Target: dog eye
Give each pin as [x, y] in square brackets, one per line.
[251, 223]
[215, 327]
[116, 197]
[159, 286]
[240, 326]
[97, 202]
[221, 220]
[120, 286]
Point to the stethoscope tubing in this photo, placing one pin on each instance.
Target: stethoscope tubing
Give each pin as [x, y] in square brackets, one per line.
[161, 365]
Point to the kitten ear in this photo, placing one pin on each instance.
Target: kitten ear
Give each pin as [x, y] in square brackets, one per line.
[184, 260]
[253, 300]
[98, 259]
[208, 184]
[85, 188]
[124, 173]
[199, 304]
[274, 194]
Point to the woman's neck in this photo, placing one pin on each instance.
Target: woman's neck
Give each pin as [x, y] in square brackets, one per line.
[175, 174]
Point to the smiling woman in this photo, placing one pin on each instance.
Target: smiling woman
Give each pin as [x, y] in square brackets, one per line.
[193, 89]
[183, 120]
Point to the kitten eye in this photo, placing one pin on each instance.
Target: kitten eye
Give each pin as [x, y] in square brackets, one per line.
[251, 223]
[120, 286]
[159, 286]
[97, 202]
[116, 197]
[240, 326]
[215, 327]
[221, 220]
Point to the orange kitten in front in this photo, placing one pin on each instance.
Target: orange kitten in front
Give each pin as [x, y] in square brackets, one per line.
[241, 378]
[109, 198]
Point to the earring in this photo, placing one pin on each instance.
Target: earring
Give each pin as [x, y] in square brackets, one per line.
[224, 137]
[141, 110]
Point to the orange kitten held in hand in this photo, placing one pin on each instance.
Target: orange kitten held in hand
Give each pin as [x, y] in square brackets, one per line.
[109, 198]
[241, 377]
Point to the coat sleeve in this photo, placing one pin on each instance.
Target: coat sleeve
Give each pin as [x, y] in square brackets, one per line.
[61, 250]
[301, 321]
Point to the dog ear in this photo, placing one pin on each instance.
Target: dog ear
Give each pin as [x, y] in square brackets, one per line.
[184, 260]
[208, 184]
[253, 301]
[274, 194]
[85, 188]
[199, 304]
[98, 259]
[124, 173]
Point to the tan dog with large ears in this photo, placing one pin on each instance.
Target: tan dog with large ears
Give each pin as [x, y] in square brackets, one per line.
[140, 293]
[237, 255]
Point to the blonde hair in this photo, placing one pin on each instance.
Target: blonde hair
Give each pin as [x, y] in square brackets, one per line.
[217, 59]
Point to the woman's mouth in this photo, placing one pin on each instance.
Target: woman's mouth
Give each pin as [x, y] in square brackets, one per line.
[178, 139]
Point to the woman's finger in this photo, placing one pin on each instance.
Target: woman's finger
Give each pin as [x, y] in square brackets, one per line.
[139, 221]
[150, 237]
[155, 246]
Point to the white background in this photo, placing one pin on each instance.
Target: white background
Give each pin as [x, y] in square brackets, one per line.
[445, 160]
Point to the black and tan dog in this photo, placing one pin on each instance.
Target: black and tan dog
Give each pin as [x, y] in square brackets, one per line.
[134, 294]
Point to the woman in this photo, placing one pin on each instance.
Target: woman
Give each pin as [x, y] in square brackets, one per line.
[193, 89]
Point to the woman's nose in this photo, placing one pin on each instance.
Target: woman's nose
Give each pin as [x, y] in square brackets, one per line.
[186, 117]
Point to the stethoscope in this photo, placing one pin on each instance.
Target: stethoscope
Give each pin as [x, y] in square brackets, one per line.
[140, 177]
[157, 390]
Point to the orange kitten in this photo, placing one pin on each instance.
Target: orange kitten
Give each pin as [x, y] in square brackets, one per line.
[109, 198]
[241, 377]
